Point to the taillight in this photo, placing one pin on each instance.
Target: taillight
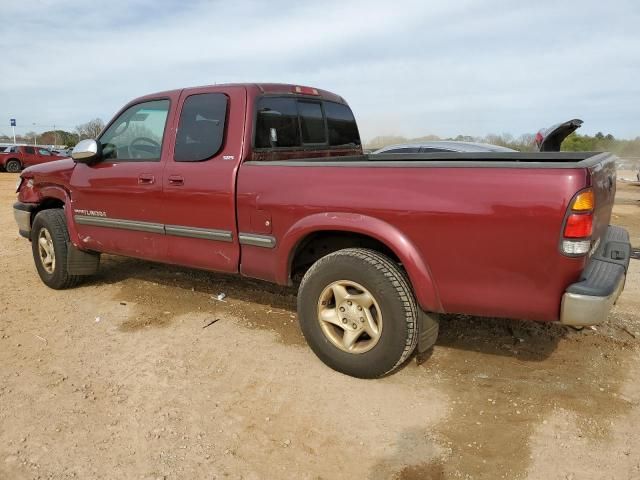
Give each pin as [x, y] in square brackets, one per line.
[578, 226]
[583, 201]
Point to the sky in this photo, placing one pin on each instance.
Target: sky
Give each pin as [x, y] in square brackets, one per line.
[406, 67]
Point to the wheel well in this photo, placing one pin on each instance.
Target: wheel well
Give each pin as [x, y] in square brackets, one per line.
[46, 204]
[318, 244]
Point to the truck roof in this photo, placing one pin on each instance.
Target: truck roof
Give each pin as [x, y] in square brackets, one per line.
[256, 89]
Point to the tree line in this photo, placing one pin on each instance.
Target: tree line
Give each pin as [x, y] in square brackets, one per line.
[90, 129]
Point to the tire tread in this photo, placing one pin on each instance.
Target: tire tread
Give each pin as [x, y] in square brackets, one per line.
[56, 222]
[397, 279]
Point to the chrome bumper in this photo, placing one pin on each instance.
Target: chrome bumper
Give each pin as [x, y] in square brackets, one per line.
[586, 310]
[22, 214]
[589, 301]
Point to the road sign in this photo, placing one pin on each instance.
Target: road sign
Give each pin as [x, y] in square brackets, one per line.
[13, 122]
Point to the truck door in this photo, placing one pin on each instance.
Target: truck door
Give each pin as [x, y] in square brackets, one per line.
[117, 201]
[199, 209]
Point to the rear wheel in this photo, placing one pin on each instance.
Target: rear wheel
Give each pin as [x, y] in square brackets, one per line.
[358, 313]
[13, 166]
[49, 244]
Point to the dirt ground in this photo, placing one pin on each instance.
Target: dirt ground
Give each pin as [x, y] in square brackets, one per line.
[120, 379]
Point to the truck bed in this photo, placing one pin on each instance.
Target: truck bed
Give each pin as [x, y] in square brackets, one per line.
[487, 225]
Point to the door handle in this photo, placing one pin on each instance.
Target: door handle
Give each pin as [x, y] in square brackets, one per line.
[176, 180]
[146, 179]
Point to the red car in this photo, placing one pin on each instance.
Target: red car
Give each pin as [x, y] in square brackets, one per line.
[15, 158]
[269, 181]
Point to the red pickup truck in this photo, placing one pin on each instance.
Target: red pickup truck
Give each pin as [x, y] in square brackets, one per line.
[15, 158]
[269, 181]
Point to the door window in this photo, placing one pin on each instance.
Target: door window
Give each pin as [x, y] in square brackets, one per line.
[136, 135]
[201, 128]
[44, 152]
[29, 150]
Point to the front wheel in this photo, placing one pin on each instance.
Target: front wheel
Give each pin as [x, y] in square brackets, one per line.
[50, 246]
[358, 313]
[13, 166]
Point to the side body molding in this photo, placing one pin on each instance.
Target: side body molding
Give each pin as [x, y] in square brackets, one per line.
[419, 274]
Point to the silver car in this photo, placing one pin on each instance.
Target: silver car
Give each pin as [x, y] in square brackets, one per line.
[443, 146]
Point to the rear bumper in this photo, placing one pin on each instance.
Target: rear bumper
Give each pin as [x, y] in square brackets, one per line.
[589, 301]
[22, 214]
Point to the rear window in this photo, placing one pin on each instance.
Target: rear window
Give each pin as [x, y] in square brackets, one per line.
[312, 122]
[341, 124]
[292, 122]
[277, 123]
[201, 128]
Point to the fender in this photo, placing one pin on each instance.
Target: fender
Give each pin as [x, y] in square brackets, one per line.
[419, 274]
[59, 193]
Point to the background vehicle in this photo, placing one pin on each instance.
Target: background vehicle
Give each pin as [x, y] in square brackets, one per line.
[546, 140]
[65, 152]
[550, 139]
[442, 146]
[269, 181]
[22, 156]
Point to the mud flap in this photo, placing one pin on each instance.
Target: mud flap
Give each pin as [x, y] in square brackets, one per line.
[428, 326]
[80, 262]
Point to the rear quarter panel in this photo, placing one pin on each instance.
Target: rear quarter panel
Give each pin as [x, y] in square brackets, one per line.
[488, 237]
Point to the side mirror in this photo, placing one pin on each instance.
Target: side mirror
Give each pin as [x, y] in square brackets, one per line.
[86, 151]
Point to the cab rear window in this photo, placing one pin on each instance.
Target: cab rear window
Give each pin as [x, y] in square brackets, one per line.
[342, 127]
[277, 123]
[285, 122]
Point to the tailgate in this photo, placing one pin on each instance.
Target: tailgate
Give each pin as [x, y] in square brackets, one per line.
[603, 182]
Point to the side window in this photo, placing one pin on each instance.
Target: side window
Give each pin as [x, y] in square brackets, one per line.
[29, 150]
[341, 124]
[44, 152]
[312, 122]
[201, 128]
[277, 123]
[136, 135]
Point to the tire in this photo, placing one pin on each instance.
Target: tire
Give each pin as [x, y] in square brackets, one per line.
[330, 317]
[13, 166]
[49, 235]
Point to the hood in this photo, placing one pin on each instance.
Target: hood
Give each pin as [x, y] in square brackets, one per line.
[61, 167]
